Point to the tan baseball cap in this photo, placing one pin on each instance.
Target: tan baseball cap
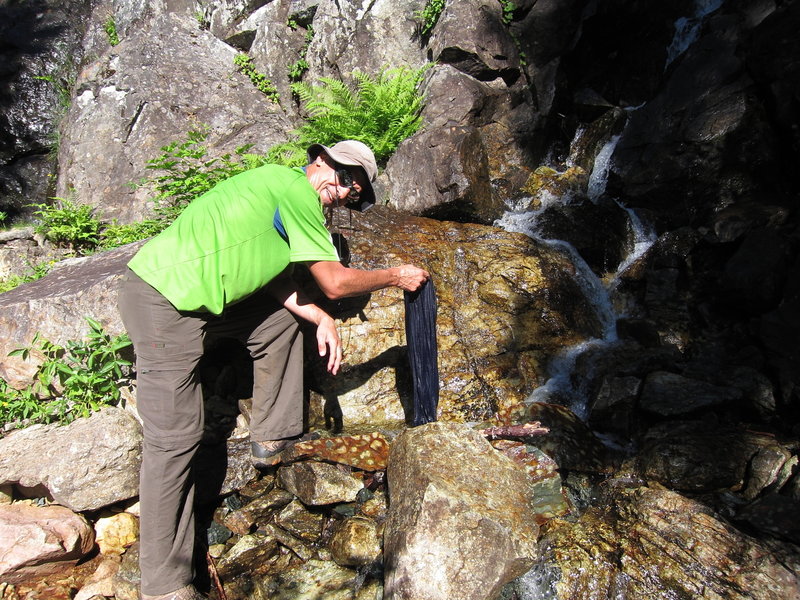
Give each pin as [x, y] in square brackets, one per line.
[352, 153]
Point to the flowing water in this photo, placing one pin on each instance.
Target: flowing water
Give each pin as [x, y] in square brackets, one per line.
[560, 384]
[687, 29]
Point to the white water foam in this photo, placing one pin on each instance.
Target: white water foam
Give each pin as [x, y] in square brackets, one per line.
[687, 29]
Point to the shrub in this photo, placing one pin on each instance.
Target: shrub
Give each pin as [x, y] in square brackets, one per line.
[189, 173]
[73, 380]
[68, 224]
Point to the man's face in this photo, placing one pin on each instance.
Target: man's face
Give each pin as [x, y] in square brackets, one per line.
[336, 184]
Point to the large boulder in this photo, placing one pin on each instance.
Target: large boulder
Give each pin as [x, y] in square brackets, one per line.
[654, 543]
[493, 289]
[91, 463]
[37, 541]
[56, 307]
[461, 522]
[166, 78]
[506, 305]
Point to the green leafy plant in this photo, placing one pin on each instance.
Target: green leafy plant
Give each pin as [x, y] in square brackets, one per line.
[68, 224]
[72, 381]
[110, 27]
[187, 172]
[380, 111]
[117, 234]
[3, 217]
[508, 8]
[429, 16]
[300, 66]
[245, 64]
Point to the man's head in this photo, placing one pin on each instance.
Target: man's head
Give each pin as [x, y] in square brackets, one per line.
[354, 166]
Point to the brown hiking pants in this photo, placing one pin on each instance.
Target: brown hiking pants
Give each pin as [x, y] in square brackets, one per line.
[169, 345]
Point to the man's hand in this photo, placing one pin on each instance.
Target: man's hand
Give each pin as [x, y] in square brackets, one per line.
[411, 278]
[328, 342]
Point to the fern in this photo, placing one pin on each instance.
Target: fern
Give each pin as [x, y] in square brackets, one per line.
[380, 111]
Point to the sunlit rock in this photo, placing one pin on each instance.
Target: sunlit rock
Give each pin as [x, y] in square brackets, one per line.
[648, 542]
[258, 509]
[91, 463]
[39, 540]
[300, 522]
[114, 533]
[317, 483]
[355, 541]
[461, 521]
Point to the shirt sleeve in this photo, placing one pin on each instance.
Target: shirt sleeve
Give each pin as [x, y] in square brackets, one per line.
[304, 224]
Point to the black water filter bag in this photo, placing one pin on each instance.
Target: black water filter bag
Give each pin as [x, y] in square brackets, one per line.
[423, 351]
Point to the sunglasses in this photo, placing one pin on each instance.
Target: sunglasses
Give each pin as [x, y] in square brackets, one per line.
[345, 178]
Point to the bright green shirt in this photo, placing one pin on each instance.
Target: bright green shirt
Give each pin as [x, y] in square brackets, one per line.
[236, 238]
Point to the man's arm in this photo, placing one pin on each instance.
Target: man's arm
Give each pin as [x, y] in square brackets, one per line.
[285, 291]
[337, 281]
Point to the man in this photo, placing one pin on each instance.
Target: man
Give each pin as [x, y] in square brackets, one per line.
[222, 268]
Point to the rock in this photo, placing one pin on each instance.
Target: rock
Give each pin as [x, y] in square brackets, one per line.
[506, 304]
[355, 542]
[764, 469]
[317, 484]
[570, 442]
[457, 506]
[247, 554]
[125, 111]
[295, 519]
[669, 394]
[39, 540]
[42, 48]
[774, 514]
[56, 306]
[317, 579]
[91, 463]
[115, 532]
[349, 36]
[101, 582]
[650, 542]
[485, 50]
[368, 452]
[549, 499]
[242, 520]
[699, 456]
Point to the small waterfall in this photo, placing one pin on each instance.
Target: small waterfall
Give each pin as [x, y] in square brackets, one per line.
[560, 385]
[602, 164]
[687, 29]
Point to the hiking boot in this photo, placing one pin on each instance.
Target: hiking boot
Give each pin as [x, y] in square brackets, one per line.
[187, 592]
[267, 454]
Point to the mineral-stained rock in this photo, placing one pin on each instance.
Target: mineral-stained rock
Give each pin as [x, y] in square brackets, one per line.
[355, 541]
[241, 521]
[461, 522]
[549, 499]
[251, 551]
[115, 532]
[300, 522]
[38, 540]
[654, 543]
[91, 463]
[319, 483]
